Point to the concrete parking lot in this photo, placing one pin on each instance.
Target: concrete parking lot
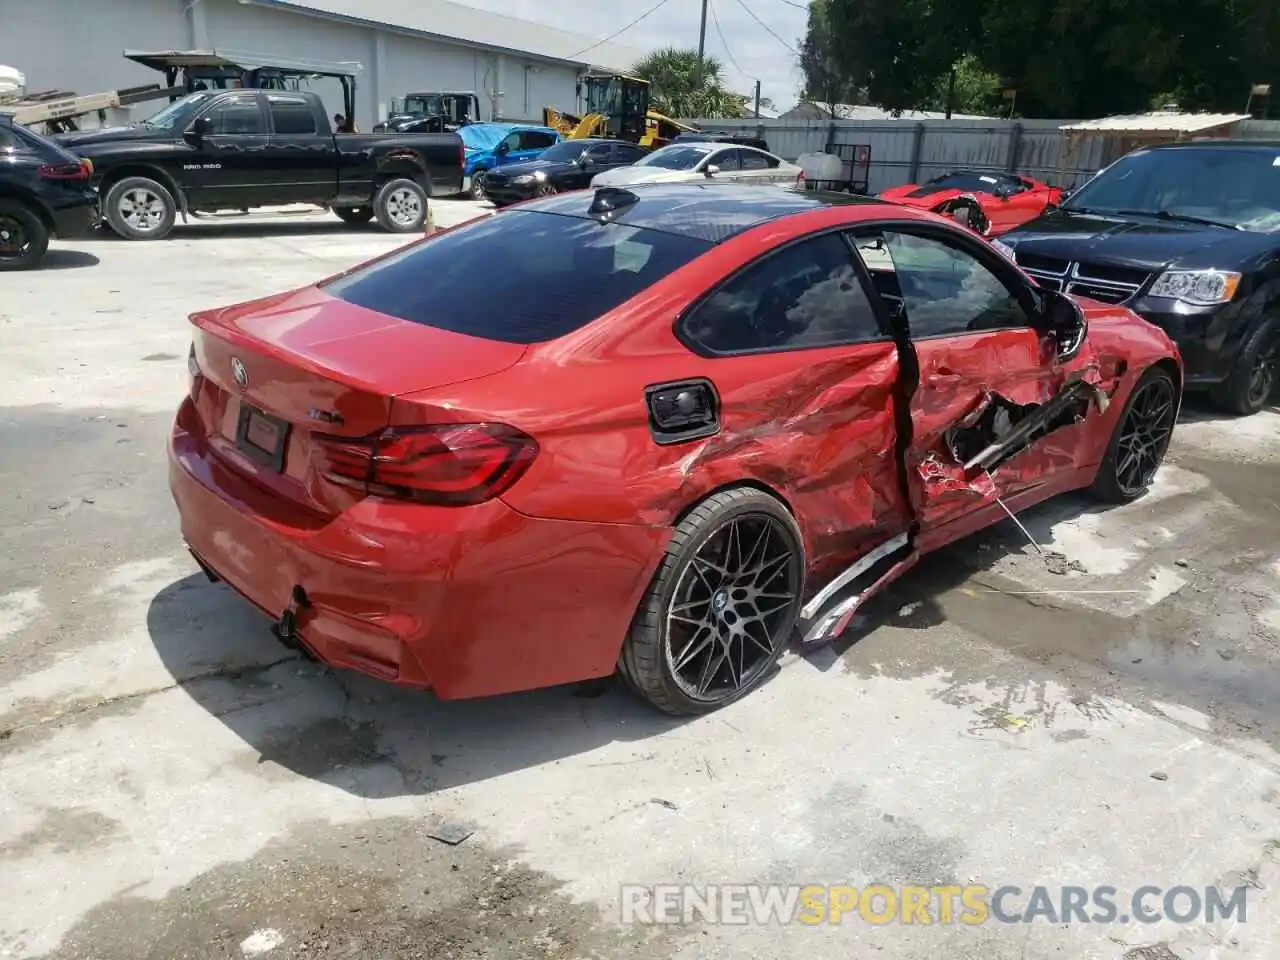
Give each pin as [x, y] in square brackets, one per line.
[173, 783]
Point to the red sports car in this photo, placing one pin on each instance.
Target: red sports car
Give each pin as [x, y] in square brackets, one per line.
[990, 203]
[662, 431]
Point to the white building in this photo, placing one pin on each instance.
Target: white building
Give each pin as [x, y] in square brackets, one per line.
[515, 67]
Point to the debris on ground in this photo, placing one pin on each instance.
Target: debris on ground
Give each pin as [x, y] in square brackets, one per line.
[1159, 775]
[450, 833]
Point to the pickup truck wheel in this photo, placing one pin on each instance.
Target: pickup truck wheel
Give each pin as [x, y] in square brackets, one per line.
[477, 185]
[401, 206]
[139, 208]
[354, 216]
[23, 236]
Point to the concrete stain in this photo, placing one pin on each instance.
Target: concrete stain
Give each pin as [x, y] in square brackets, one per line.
[63, 830]
[381, 888]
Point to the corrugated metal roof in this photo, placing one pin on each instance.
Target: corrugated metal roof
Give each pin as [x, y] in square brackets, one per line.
[454, 21]
[1158, 122]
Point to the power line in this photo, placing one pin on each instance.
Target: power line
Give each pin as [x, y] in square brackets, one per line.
[711, 5]
[617, 33]
[798, 6]
[768, 29]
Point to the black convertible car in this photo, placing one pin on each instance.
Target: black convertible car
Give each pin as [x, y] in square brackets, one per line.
[569, 165]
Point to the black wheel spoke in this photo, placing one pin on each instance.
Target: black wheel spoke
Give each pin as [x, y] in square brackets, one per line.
[732, 606]
[1144, 435]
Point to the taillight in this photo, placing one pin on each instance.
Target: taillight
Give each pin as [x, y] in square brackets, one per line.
[65, 171]
[451, 465]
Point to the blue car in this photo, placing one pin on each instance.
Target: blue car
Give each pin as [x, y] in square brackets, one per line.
[489, 145]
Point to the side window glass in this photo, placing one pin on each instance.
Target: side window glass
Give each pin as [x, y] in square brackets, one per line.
[807, 295]
[533, 140]
[601, 154]
[512, 140]
[726, 160]
[753, 161]
[291, 117]
[943, 289]
[235, 117]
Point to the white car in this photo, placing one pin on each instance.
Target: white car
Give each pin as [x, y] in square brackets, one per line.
[694, 161]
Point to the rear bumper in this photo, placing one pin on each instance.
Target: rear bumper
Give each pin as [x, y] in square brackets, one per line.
[70, 222]
[391, 592]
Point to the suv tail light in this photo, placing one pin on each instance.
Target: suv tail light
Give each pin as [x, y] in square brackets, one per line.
[66, 171]
[449, 465]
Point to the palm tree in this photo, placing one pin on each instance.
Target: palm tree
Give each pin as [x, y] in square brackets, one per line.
[678, 90]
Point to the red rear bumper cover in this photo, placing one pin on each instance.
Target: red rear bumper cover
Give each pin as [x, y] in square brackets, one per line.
[468, 601]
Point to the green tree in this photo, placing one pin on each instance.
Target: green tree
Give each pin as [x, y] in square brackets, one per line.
[977, 90]
[679, 89]
[1065, 58]
[825, 82]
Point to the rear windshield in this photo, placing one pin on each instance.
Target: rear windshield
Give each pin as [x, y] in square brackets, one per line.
[519, 276]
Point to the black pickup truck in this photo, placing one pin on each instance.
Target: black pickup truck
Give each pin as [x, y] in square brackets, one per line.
[244, 148]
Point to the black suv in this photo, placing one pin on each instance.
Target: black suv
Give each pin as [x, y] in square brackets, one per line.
[44, 192]
[1188, 236]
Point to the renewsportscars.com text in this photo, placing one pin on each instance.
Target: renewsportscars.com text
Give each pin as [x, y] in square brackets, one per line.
[815, 904]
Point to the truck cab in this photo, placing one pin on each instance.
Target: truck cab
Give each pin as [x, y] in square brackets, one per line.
[436, 112]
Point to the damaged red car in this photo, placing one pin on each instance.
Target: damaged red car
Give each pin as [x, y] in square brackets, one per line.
[662, 432]
[987, 203]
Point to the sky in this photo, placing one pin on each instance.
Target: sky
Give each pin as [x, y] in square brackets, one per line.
[747, 50]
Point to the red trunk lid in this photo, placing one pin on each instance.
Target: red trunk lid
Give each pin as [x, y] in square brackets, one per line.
[276, 373]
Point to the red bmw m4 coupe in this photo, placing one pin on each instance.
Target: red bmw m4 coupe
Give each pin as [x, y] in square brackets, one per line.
[662, 431]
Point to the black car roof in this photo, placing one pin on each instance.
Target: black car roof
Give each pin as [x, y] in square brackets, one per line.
[703, 211]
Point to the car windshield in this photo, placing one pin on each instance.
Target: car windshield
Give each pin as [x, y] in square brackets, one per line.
[565, 152]
[675, 157]
[1236, 188]
[176, 113]
[426, 105]
[558, 273]
[982, 182]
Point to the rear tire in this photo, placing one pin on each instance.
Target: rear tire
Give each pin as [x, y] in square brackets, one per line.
[401, 206]
[721, 607]
[354, 216]
[1253, 376]
[139, 208]
[1140, 440]
[24, 239]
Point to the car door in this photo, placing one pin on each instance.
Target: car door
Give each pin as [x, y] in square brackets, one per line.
[531, 144]
[726, 162]
[806, 375]
[595, 159]
[757, 167]
[302, 158]
[507, 150]
[228, 166]
[968, 321]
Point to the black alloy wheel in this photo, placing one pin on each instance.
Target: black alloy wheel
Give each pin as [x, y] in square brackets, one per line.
[1144, 434]
[732, 609]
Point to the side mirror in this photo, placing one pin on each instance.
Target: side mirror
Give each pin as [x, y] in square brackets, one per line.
[200, 129]
[710, 170]
[585, 162]
[1065, 195]
[502, 148]
[1065, 323]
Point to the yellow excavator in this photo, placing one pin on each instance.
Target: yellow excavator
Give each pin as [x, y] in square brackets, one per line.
[617, 107]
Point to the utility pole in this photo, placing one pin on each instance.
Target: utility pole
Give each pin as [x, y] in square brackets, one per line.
[757, 99]
[702, 41]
